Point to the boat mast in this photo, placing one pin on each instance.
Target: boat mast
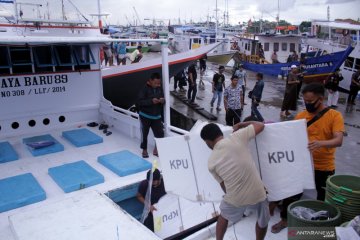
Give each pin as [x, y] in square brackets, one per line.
[278, 15]
[99, 14]
[328, 18]
[63, 10]
[216, 19]
[16, 11]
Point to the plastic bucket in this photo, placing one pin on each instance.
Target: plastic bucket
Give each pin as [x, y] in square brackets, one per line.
[334, 212]
[343, 191]
[347, 185]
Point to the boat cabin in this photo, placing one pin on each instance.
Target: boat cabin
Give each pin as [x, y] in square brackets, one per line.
[284, 45]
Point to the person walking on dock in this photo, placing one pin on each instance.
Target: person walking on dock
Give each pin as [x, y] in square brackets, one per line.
[192, 88]
[332, 86]
[120, 49]
[242, 76]
[218, 84]
[354, 88]
[233, 102]
[256, 95]
[290, 96]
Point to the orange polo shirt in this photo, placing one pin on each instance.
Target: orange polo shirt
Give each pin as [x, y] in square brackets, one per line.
[323, 129]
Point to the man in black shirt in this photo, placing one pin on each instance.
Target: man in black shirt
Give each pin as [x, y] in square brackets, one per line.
[332, 86]
[150, 105]
[192, 89]
[218, 85]
[354, 87]
[157, 191]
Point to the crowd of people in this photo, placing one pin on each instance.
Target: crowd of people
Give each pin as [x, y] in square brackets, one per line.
[325, 129]
[118, 51]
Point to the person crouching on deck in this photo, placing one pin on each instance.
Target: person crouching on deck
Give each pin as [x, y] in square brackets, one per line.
[144, 194]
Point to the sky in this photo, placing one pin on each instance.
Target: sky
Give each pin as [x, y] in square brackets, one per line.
[162, 11]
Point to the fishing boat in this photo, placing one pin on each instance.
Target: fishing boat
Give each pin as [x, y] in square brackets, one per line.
[122, 84]
[58, 136]
[181, 42]
[336, 36]
[317, 68]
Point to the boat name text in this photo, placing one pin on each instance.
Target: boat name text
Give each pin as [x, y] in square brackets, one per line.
[14, 82]
[309, 66]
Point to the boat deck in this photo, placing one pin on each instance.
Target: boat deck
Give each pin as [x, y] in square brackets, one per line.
[40, 165]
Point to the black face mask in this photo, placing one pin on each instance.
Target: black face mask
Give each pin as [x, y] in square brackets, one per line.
[310, 107]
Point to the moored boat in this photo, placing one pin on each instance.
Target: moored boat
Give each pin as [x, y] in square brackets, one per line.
[122, 83]
[58, 135]
[335, 36]
[316, 68]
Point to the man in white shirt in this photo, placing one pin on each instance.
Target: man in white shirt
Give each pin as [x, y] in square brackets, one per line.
[241, 74]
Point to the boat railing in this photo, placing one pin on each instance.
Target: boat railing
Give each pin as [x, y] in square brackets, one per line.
[335, 42]
[54, 22]
[173, 129]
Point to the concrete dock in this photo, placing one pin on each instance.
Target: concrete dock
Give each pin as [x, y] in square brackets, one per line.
[347, 156]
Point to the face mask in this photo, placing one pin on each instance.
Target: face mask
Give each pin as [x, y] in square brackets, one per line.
[310, 107]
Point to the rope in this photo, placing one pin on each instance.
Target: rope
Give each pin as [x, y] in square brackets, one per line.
[193, 167]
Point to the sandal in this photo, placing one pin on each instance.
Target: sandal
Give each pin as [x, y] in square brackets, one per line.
[156, 154]
[92, 124]
[278, 226]
[103, 126]
[145, 155]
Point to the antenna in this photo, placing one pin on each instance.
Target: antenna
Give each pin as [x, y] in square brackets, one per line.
[328, 13]
[63, 10]
[137, 16]
[278, 13]
[77, 10]
[48, 10]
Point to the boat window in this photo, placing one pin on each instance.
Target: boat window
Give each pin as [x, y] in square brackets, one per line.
[276, 46]
[357, 64]
[4, 60]
[292, 47]
[64, 57]
[266, 46]
[349, 62]
[284, 46]
[44, 58]
[21, 59]
[83, 56]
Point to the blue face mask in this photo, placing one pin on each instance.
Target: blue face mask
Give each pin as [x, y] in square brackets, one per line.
[310, 107]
